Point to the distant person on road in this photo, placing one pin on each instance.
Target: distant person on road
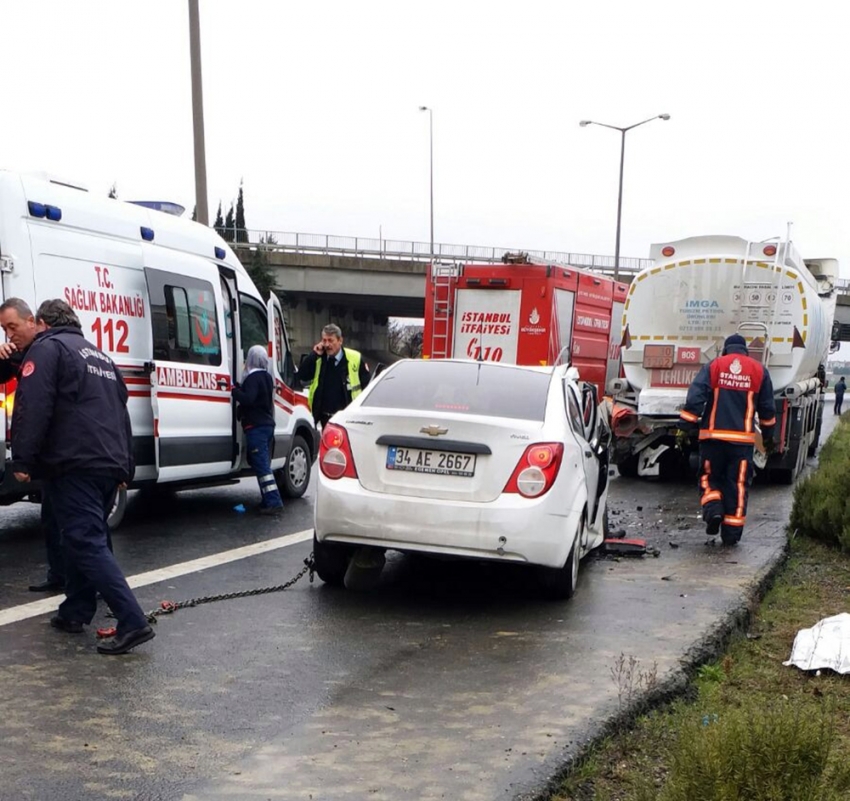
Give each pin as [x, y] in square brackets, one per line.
[839, 394]
[255, 396]
[722, 402]
[71, 429]
[336, 375]
[19, 325]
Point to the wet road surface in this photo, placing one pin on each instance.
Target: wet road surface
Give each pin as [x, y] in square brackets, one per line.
[448, 681]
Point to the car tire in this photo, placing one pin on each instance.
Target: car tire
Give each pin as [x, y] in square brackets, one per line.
[330, 561]
[294, 477]
[628, 468]
[559, 583]
[119, 507]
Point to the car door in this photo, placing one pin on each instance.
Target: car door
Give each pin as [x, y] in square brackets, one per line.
[583, 430]
[283, 373]
[190, 373]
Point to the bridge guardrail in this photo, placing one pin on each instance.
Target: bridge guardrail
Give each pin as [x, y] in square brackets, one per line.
[373, 247]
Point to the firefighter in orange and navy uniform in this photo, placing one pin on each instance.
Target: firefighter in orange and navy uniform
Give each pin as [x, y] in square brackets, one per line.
[723, 401]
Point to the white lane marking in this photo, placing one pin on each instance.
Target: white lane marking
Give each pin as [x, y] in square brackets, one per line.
[45, 605]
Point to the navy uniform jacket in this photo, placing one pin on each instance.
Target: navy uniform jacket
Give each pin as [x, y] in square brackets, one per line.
[725, 397]
[9, 367]
[256, 399]
[71, 410]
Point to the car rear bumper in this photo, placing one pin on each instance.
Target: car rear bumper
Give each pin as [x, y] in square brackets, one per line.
[536, 531]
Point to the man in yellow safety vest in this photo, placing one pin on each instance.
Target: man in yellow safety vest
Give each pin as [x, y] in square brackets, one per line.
[336, 375]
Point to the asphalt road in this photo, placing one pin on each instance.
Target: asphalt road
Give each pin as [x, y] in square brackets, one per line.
[448, 681]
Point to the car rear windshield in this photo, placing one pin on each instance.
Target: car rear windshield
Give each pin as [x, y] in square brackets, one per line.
[462, 387]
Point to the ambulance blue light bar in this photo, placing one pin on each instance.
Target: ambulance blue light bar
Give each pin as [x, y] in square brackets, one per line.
[219, 253]
[147, 234]
[42, 210]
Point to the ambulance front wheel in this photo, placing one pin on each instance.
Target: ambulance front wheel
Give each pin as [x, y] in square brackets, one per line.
[119, 506]
[294, 477]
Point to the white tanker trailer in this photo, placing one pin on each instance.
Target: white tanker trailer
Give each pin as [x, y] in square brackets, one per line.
[678, 313]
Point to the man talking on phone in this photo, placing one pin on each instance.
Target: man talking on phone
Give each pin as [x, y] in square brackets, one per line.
[336, 375]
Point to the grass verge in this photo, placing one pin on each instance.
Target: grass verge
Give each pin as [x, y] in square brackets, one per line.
[750, 729]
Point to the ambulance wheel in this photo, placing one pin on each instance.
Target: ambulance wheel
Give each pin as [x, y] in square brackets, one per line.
[559, 583]
[294, 477]
[119, 507]
[330, 561]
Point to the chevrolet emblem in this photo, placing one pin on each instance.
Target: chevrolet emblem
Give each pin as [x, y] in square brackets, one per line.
[433, 430]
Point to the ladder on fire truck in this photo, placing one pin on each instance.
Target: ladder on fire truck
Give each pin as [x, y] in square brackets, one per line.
[760, 330]
[443, 278]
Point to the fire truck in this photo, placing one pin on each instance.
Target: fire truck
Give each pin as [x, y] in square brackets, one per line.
[520, 312]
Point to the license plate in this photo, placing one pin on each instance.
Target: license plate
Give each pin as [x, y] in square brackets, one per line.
[441, 463]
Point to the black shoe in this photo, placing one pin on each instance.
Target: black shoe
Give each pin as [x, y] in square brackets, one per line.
[68, 626]
[730, 537]
[126, 642]
[712, 526]
[47, 586]
[270, 511]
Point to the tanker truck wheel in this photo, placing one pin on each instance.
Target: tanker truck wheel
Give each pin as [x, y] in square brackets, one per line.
[628, 468]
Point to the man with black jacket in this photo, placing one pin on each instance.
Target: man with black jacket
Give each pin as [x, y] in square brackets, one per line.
[335, 375]
[71, 429]
[19, 325]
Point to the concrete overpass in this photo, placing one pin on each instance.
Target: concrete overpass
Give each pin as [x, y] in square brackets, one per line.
[359, 283]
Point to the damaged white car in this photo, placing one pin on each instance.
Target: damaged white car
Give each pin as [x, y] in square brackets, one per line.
[464, 459]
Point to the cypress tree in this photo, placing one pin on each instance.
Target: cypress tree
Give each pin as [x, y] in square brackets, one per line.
[241, 232]
[229, 225]
[219, 221]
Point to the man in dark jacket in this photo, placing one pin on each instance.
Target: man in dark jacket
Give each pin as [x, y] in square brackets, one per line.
[723, 401]
[19, 325]
[72, 430]
[336, 375]
[256, 411]
[840, 389]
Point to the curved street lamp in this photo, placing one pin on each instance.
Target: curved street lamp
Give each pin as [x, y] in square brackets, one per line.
[584, 124]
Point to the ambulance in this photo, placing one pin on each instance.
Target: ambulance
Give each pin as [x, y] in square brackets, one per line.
[169, 301]
[520, 312]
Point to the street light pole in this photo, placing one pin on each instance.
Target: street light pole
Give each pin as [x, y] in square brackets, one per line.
[431, 150]
[203, 212]
[623, 131]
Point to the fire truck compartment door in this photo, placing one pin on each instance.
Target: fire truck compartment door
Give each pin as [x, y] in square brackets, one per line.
[190, 374]
[487, 325]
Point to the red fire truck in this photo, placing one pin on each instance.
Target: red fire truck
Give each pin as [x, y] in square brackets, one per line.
[525, 313]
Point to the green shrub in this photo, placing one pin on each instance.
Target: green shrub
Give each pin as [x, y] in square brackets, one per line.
[758, 752]
[822, 500]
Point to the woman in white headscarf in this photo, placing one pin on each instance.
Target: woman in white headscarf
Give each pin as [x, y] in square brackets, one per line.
[255, 396]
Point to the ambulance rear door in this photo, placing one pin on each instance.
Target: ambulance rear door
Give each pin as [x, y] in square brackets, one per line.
[190, 371]
[283, 373]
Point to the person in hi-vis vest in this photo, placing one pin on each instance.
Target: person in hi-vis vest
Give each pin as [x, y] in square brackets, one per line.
[335, 375]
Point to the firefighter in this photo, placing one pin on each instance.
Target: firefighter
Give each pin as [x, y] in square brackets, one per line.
[72, 430]
[722, 402]
[336, 375]
[19, 325]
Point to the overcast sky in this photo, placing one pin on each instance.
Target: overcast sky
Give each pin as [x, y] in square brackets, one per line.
[315, 106]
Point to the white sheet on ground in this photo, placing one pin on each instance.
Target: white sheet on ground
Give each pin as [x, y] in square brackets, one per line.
[824, 645]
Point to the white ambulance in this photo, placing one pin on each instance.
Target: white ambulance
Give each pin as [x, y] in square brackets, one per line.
[169, 301]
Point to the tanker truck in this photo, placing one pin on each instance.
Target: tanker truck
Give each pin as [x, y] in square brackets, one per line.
[676, 316]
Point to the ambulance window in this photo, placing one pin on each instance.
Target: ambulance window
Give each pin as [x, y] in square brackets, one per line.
[254, 328]
[280, 343]
[192, 333]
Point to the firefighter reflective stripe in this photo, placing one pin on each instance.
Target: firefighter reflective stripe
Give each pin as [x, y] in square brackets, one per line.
[267, 483]
[768, 423]
[691, 418]
[751, 412]
[742, 488]
[712, 495]
[734, 520]
[728, 436]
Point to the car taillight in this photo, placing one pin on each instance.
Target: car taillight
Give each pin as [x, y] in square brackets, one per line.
[537, 469]
[335, 459]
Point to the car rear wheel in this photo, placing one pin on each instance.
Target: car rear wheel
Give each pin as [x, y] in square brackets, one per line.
[294, 477]
[330, 561]
[559, 583]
